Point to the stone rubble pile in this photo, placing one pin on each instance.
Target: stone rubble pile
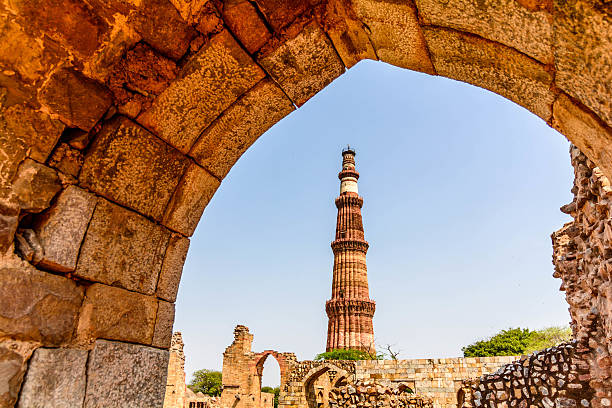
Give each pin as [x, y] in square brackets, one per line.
[373, 393]
[555, 377]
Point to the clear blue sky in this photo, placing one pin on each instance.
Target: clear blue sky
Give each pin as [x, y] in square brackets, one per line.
[461, 188]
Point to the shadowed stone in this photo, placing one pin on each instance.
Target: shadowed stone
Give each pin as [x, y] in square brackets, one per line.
[14, 357]
[61, 229]
[583, 54]
[244, 22]
[585, 131]
[210, 81]
[35, 186]
[163, 325]
[503, 21]
[395, 33]
[190, 198]
[122, 248]
[279, 13]
[228, 137]
[125, 375]
[492, 66]
[77, 100]
[129, 165]
[55, 379]
[303, 65]
[36, 305]
[116, 314]
[170, 275]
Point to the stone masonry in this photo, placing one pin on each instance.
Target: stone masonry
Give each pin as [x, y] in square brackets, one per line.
[350, 309]
[120, 119]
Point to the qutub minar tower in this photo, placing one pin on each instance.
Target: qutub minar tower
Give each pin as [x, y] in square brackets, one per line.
[350, 309]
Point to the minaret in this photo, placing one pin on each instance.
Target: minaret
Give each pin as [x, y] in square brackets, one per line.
[350, 309]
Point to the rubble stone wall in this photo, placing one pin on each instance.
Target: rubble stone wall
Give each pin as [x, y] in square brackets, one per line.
[374, 393]
[176, 387]
[438, 379]
[555, 377]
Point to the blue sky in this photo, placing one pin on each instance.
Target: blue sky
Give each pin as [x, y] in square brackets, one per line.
[461, 188]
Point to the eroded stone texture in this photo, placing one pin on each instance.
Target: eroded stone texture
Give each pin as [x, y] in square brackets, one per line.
[125, 375]
[189, 200]
[395, 33]
[228, 137]
[303, 65]
[35, 186]
[61, 230]
[492, 66]
[36, 306]
[172, 269]
[129, 165]
[55, 379]
[583, 53]
[14, 357]
[280, 13]
[77, 100]
[210, 81]
[585, 131]
[503, 21]
[243, 20]
[122, 249]
[365, 393]
[163, 325]
[580, 257]
[67, 160]
[116, 314]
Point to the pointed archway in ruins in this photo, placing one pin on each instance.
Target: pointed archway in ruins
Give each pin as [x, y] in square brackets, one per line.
[120, 120]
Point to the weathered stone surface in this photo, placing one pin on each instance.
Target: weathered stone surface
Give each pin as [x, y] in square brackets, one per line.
[210, 81]
[504, 21]
[492, 66]
[35, 186]
[585, 131]
[67, 160]
[303, 65]
[125, 375]
[35, 305]
[189, 200]
[395, 33]
[243, 20]
[61, 229]
[347, 33]
[55, 379]
[77, 100]
[228, 137]
[28, 246]
[172, 269]
[9, 220]
[129, 165]
[14, 356]
[280, 13]
[163, 325]
[583, 54]
[116, 314]
[123, 249]
[139, 77]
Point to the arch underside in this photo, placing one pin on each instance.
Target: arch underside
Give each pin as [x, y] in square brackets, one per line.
[119, 120]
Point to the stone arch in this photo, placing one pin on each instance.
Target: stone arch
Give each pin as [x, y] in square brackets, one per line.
[284, 361]
[122, 119]
[317, 391]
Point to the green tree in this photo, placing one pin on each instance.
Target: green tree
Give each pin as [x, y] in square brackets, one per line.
[347, 354]
[517, 341]
[275, 391]
[206, 382]
[548, 337]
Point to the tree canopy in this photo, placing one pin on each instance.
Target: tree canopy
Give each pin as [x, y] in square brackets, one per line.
[512, 342]
[347, 354]
[207, 382]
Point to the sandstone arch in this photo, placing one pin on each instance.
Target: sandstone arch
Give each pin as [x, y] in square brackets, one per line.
[120, 119]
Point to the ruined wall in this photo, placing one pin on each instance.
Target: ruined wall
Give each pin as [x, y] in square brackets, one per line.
[439, 379]
[175, 382]
[375, 394]
[555, 377]
[583, 260]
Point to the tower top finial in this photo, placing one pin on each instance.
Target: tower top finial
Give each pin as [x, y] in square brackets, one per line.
[348, 150]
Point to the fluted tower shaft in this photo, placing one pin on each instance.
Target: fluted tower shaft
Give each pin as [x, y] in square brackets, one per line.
[350, 310]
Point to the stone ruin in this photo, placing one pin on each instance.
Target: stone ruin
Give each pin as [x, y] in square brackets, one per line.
[373, 393]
